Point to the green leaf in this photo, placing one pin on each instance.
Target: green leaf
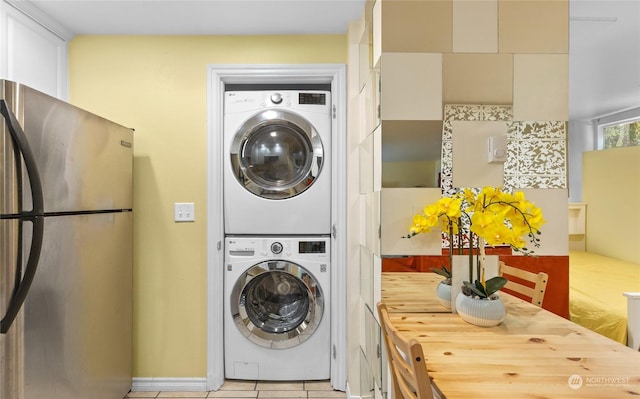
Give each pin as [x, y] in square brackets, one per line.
[482, 289]
[473, 288]
[442, 271]
[494, 284]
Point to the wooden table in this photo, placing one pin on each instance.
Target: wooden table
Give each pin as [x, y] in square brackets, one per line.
[407, 292]
[532, 353]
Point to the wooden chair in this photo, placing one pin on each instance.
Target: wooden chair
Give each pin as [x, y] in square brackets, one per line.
[539, 282]
[406, 362]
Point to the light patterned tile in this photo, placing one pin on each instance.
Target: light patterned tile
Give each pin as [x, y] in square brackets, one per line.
[238, 385]
[282, 394]
[233, 394]
[280, 386]
[497, 112]
[326, 394]
[183, 394]
[535, 181]
[465, 112]
[536, 150]
[318, 386]
[148, 394]
[527, 130]
[537, 155]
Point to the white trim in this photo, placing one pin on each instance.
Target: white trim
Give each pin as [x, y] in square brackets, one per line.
[166, 384]
[217, 77]
[41, 18]
[348, 392]
[633, 320]
[339, 225]
[215, 232]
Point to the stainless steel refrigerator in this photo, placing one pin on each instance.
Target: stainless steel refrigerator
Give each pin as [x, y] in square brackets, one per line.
[65, 250]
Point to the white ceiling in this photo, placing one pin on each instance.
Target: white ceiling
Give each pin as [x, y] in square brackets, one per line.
[604, 34]
[201, 17]
[604, 57]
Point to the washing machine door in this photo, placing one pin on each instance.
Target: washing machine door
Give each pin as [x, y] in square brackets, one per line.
[277, 304]
[276, 154]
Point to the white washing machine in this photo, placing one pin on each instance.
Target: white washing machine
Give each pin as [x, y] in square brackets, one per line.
[277, 164]
[276, 308]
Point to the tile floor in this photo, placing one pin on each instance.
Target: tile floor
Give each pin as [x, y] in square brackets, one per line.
[256, 389]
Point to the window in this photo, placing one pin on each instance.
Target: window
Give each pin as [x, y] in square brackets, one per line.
[625, 134]
[620, 130]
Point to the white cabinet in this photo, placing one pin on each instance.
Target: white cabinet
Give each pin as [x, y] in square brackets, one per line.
[31, 53]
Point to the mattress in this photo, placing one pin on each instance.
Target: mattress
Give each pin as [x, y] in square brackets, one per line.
[596, 299]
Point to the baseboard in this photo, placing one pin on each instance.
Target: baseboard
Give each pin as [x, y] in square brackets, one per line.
[349, 396]
[195, 384]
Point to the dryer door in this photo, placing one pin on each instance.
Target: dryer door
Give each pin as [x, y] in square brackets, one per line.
[276, 154]
[277, 304]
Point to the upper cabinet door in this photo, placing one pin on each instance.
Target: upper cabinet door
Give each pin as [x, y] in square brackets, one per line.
[31, 54]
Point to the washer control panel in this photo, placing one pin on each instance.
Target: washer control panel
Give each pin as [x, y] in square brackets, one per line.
[284, 247]
[307, 100]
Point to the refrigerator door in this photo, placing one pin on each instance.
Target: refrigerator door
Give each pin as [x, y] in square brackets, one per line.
[85, 161]
[78, 315]
[12, 199]
[11, 343]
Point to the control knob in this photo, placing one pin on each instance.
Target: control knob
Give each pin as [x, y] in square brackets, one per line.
[276, 247]
[276, 98]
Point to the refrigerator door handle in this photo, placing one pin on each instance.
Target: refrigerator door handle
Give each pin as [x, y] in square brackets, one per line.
[35, 216]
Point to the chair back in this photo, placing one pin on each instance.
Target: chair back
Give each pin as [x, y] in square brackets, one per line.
[537, 283]
[406, 362]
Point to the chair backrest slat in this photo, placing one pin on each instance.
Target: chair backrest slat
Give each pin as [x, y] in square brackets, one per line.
[537, 280]
[406, 361]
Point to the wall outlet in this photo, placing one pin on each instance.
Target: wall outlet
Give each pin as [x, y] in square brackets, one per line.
[184, 212]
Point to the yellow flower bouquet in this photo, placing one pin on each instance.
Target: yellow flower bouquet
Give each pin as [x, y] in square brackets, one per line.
[490, 215]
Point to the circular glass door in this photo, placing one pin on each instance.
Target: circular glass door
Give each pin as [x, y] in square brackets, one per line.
[277, 304]
[276, 155]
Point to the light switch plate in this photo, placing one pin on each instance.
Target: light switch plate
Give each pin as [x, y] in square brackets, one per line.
[497, 149]
[184, 212]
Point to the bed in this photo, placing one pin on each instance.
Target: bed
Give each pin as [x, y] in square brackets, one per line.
[596, 293]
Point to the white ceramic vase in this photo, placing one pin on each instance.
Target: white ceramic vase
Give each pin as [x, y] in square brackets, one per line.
[443, 292]
[480, 312]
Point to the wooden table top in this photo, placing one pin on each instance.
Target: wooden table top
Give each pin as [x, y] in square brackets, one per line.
[532, 353]
[410, 292]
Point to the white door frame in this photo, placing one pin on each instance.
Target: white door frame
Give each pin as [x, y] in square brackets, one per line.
[217, 77]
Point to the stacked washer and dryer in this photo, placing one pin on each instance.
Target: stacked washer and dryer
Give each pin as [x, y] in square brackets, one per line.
[277, 222]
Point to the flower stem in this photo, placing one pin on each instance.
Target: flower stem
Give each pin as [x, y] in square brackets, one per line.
[450, 247]
[481, 258]
[470, 257]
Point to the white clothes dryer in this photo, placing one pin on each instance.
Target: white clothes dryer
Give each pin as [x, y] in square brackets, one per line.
[276, 308]
[277, 164]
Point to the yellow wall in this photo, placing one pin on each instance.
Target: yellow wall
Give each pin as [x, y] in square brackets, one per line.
[157, 85]
[611, 188]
